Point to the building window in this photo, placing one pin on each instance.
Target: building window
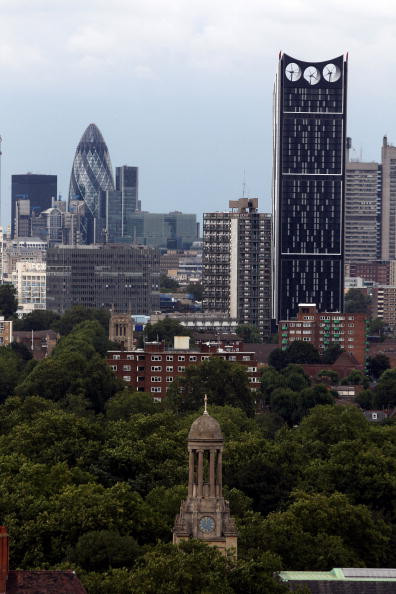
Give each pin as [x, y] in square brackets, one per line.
[181, 368]
[169, 357]
[156, 378]
[156, 357]
[156, 389]
[204, 357]
[114, 367]
[130, 357]
[126, 378]
[169, 379]
[252, 369]
[181, 358]
[232, 358]
[192, 358]
[126, 368]
[246, 358]
[156, 399]
[116, 356]
[156, 368]
[169, 368]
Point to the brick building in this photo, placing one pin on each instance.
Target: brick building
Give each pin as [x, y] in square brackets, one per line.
[154, 368]
[6, 334]
[380, 271]
[324, 328]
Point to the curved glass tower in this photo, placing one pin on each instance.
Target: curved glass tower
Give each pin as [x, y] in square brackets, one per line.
[90, 178]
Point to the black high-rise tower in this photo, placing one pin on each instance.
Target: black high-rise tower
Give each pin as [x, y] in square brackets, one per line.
[308, 184]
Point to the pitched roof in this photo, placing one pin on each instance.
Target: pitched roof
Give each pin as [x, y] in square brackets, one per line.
[44, 582]
[343, 581]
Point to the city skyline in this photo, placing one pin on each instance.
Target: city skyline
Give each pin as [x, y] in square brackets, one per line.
[186, 95]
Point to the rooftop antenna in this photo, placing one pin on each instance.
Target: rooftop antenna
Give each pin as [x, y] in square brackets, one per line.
[244, 184]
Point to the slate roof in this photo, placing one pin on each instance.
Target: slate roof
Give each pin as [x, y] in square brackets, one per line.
[44, 582]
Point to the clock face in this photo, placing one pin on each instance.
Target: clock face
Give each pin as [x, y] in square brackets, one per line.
[293, 71]
[331, 72]
[206, 524]
[312, 75]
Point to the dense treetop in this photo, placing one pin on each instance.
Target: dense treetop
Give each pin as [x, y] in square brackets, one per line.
[92, 475]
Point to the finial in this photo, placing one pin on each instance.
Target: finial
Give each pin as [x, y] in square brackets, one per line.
[206, 405]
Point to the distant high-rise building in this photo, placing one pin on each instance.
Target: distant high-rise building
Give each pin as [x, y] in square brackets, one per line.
[34, 193]
[120, 278]
[90, 178]
[121, 204]
[388, 205]
[236, 273]
[308, 185]
[362, 211]
[173, 230]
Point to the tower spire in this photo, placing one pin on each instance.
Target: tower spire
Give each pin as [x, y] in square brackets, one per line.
[205, 405]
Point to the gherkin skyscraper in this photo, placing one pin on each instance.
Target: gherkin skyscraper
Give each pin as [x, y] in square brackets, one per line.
[91, 177]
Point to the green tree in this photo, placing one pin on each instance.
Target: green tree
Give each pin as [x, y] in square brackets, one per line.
[104, 549]
[168, 284]
[39, 319]
[319, 531]
[222, 381]
[356, 378]
[331, 353]
[377, 365]
[385, 390]
[357, 301]
[278, 359]
[166, 330]
[376, 327]
[78, 314]
[302, 352]
[8, 301]
[249, 333]
[196, 290]
[10, 371]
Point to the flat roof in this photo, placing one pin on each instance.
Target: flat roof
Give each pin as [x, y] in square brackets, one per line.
[350, 574]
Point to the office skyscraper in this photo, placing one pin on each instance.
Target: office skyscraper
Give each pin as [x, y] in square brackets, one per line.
[236, 273]
[90, 178]
[308, 184]
[121, 204]
[30, 195]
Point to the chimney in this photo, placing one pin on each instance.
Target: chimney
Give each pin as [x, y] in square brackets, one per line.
[3, 558]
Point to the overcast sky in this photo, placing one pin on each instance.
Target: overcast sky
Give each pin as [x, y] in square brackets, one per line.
[180, 88]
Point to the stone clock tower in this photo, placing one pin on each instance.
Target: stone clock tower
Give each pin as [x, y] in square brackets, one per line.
[205, 514]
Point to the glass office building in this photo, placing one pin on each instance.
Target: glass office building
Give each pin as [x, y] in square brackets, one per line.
[309, 185]
[91, 177]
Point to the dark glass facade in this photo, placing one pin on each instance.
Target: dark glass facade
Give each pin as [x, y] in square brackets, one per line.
[90, 178]
[39, 190]
[308, 192]
[121, 204]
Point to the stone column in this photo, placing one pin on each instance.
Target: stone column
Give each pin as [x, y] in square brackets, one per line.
[212, 486]
[220, 473]
[200, 472]
[191, 473]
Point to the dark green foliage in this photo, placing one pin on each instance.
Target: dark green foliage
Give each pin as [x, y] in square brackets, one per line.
[104, 549]
[76, 367]
[376, 327]
[168, 284]
[8, 301]
[297, 352]
[331, 353]
[357, 301]
[92, 476]
[37, 320]
[377, 365]
[222, 381]
[249, 333]
[77, 314]
[196, 290]
[165, 330]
